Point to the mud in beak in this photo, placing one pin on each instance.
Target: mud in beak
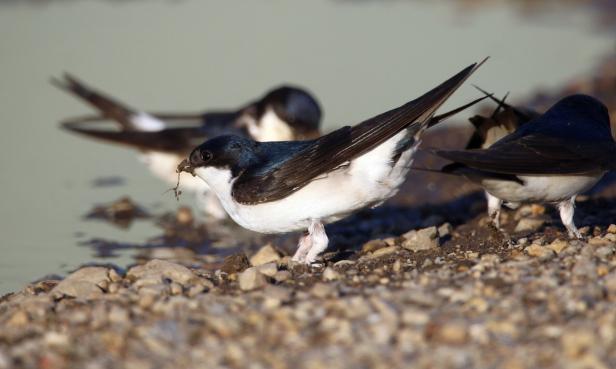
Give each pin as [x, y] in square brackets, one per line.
[185, 166]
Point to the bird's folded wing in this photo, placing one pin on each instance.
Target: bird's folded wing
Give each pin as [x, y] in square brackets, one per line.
[536, 155]
[131, 119]
[107, 105]
[459, 169]
[183, 131]
[175, 140]
[341, 146]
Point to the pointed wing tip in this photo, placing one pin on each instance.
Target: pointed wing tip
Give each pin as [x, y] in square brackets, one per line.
[482, 62]
[473, 67]
[71, 125]
[57, 82]
[70, 78]
[481, 90]
[67, 82]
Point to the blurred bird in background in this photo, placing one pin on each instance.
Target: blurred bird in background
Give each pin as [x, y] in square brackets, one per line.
[284, 113]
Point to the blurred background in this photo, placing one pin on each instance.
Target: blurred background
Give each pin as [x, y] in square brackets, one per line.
[358, 57]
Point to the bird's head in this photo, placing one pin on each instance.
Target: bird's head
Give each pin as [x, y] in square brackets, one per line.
[583, 108]
[284, 114]
[229, 154]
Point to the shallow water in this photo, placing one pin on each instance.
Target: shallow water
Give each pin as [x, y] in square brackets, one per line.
[359, 58]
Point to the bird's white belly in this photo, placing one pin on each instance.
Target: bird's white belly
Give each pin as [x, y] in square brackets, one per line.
[367, 181]
[548, 189]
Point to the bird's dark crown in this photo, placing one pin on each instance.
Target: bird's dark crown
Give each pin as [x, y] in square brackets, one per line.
[293, 105]
[583, 108]
[228, 151]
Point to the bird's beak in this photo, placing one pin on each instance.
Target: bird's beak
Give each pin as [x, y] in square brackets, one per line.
[185, 166]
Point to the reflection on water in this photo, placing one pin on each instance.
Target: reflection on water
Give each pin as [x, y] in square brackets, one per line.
[359, 59]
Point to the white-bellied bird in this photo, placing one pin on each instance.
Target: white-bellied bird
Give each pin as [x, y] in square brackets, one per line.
[550, 159]
[164, 139]
[278, 187]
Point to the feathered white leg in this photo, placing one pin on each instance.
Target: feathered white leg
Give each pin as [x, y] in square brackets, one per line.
[567, 209]
[303, 246]
[319, 241]
[312, 244]
[494, 208]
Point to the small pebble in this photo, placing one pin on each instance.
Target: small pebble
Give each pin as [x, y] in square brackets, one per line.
[282, 275]
[251, 279]
[330, 274]
[542, 252]
[529, 225]
[423, 239]
[269, 269]
[266, 254]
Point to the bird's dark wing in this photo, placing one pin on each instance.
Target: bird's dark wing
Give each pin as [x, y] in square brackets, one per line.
[107, 105]
[331, 151]
[180, 134]
[111, 108]
[537, 154]
[173, 140]
[461, 170]
[441, 117]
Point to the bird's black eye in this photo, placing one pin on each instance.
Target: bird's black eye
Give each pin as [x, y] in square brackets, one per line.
[205, 155]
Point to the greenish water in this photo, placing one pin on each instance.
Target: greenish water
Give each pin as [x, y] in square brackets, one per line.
[359, 58]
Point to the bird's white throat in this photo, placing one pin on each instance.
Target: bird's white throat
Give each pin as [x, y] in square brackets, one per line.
[217, 179]
[269, 128]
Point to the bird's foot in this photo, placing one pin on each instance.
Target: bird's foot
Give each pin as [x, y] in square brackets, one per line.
[574, 233]
[566, 209]
[312, 244]
[505, 236]
[303, 246]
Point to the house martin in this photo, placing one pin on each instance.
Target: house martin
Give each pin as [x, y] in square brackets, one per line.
[550, 159]
[505, 119]
[279, 187]
[284, 113]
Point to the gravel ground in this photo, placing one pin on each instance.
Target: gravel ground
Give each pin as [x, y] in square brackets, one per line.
[438, 297]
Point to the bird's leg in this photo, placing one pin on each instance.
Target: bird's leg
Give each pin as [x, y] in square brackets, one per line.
[567, 208]
[319, 241]
[494, 208]
[303, 246]
[311, 244]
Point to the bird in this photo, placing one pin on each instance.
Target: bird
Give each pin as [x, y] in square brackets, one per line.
[505, 119]
[551, 159]
[280, 187]
[163, 139]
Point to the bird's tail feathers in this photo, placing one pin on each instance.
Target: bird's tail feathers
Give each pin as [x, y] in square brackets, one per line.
[128, 118]
[441, 117]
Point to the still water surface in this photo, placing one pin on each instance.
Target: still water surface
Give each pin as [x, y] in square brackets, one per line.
[359, 58]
